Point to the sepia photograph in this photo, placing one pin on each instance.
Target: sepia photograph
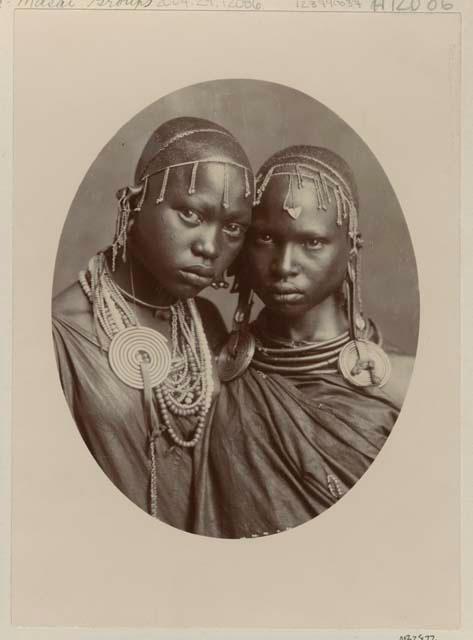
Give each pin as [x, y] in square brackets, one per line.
[236, 308]
[236, 336]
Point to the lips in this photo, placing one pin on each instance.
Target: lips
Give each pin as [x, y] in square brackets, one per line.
[201, 270]
[287, 298]
[199, 275]
[284, 288]
[285, 294]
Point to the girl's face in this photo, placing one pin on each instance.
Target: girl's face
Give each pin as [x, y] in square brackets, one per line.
[188, 240]
[295, 264]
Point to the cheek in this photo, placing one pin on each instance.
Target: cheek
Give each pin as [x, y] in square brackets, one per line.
[334, 266]
[326, 270]
[341, 263]
[256, 263]
[157, 238]
[228, 252]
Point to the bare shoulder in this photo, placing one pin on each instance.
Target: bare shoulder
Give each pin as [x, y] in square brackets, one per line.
[212, 320]
[72, 304]
[401, 372]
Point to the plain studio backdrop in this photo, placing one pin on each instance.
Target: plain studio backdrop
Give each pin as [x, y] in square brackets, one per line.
[265, 117]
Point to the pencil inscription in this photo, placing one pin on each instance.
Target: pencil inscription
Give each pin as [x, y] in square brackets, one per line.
[411, 6]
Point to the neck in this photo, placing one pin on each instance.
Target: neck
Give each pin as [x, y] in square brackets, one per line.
[325, 321]
[137, 282]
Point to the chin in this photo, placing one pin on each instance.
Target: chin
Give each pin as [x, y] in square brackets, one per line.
[287, 310]
[185, 292]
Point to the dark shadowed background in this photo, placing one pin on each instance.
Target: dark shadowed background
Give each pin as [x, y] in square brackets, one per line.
[265, 117]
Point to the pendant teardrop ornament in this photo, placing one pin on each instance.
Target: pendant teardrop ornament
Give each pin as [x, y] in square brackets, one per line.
[294, 212]
[364, 364]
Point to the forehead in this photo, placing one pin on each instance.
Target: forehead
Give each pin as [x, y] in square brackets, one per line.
[271, 216]
[209, 178]
[204, 188]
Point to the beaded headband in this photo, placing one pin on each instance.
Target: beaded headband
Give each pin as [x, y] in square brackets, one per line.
[195, 166]
[124, 195]
[180, 136]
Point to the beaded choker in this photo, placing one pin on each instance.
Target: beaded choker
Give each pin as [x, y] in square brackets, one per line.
[298, 363]
[142, 303]
[304, 361]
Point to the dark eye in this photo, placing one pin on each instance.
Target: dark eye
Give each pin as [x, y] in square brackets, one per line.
[190, 216]
[263, 238]
[314, 244]
[234, 230]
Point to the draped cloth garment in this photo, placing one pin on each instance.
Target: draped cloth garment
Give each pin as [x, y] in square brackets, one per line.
[111, 419]
[280, 455]
[272, 456]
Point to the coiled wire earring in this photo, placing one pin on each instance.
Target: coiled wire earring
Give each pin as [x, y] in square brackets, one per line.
[125, 212]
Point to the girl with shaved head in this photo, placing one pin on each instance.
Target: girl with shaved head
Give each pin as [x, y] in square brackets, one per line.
[133, 343]
[310, 395]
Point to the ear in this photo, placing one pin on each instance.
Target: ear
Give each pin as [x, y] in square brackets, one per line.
[133, 196]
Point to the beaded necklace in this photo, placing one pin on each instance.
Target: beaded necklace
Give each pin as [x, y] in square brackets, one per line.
[179, 379]
[142, 303]
[300, 362]
[303, 361]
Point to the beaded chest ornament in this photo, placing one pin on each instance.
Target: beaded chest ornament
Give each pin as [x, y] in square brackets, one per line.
[178, 377]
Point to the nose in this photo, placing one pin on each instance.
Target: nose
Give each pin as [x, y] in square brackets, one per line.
[284, 265]
[207, 245]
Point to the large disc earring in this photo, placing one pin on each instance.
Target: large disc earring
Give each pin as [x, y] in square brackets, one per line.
[361, 362]
[237, 353]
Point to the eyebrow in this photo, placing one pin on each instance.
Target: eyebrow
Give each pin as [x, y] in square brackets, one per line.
[238, 216]
[199, 205]
[303, 234]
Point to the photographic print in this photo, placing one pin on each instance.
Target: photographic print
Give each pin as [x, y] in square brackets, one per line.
[236, 345]
[250, 428]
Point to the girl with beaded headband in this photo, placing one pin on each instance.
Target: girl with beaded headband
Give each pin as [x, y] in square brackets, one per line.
[133, 343]
[308, 401]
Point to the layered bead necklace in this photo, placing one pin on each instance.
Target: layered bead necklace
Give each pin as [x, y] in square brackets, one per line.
[179, 379]
[299, 362]
[302, 361]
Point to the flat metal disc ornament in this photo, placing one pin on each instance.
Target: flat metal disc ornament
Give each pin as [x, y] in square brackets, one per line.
[364, 364]
[134, 345]
[235, 357]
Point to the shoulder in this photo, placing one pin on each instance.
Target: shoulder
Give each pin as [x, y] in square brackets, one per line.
[212, 320]
[401, 371]
[72, 304]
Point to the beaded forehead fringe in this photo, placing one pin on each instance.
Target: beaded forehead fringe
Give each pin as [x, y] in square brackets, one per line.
[327, 183]
[195, 165]
[124, 206]
[324, 180]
